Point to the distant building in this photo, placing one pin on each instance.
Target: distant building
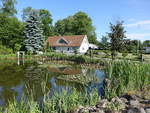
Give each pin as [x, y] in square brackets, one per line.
[147, 49]
[69, 44]
[93, 46]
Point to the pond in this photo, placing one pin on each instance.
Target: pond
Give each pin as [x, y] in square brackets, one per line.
[17, 81]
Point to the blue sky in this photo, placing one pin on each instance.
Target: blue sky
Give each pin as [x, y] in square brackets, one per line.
[135, 13]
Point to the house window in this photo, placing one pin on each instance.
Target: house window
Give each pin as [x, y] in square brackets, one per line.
[68, 49]
[61, 41]
[54, 48]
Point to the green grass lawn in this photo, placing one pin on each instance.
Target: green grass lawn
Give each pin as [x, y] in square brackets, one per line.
[130, 56]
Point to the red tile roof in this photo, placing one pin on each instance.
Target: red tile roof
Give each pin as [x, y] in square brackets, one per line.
[72, 41]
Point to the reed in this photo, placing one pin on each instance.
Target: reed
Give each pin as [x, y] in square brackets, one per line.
[126, 76]
[64, 102]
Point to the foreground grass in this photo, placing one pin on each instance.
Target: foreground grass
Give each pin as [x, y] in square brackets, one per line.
[66, 102]
[128, 77]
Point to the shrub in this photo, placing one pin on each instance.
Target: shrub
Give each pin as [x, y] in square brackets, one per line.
[17, 47]
[125, 53]
[80, 59]
[5, 51]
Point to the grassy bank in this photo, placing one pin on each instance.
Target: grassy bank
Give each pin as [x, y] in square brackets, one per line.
[7, 56]
[80, 59]
[56, 56]
[14, 57]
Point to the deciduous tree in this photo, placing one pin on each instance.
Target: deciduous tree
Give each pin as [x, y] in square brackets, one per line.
[8, 7]
[11, 31]
[117, 36]
[78, 24]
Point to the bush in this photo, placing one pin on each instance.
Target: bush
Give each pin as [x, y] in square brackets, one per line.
[5, 51]
[125, 53]
[17, 47]
[79, 59]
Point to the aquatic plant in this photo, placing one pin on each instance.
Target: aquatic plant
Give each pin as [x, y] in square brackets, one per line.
[126, 76]
[64, 102]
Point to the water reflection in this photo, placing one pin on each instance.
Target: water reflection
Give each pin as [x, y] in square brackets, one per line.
[16, 81]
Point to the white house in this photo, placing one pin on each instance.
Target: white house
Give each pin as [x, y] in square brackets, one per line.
[93, 46]
[147, 50]
[69, 44]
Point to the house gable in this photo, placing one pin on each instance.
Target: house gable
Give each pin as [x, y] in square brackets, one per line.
[84, 45]
[66, 41]
[62, 41]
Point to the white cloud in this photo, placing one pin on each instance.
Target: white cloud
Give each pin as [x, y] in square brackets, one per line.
[139, 36]
[145, 23]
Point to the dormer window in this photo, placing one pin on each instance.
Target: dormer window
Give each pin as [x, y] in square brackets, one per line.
[62, 41]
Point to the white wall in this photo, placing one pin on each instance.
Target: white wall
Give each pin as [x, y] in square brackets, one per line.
[84, 46]
[66, 49]
[148, 50]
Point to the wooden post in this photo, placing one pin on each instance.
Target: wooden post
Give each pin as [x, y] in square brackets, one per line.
[20, 57]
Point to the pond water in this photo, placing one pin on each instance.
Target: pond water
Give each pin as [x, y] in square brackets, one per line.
[17, 81]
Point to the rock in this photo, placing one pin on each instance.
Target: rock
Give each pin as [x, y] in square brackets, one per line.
[91, 109]
[133, 110]
[142, 110]
[124, 100]
[99, 111]
[108, 111]
[136, 110]
[116, 99]
[130, 97]
[147, 110]
[79, 110]
[102, 104]
[134, 103]
[145, 102]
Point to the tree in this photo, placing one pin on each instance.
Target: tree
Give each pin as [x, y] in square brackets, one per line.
[146, 43]
[26, 13]
[82, 23]
[46, 20]
[11, 31]
[117, 36]
[33, 34]
[65, 26]
[17, 47]
[132, 46]
[104, 42]
[8, 7]
[78, 24]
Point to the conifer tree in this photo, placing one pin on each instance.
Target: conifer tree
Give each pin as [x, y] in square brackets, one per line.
[33, 34]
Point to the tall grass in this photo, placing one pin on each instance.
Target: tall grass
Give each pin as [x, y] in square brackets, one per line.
[67, 103]
[64, 102]
[126, 77]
